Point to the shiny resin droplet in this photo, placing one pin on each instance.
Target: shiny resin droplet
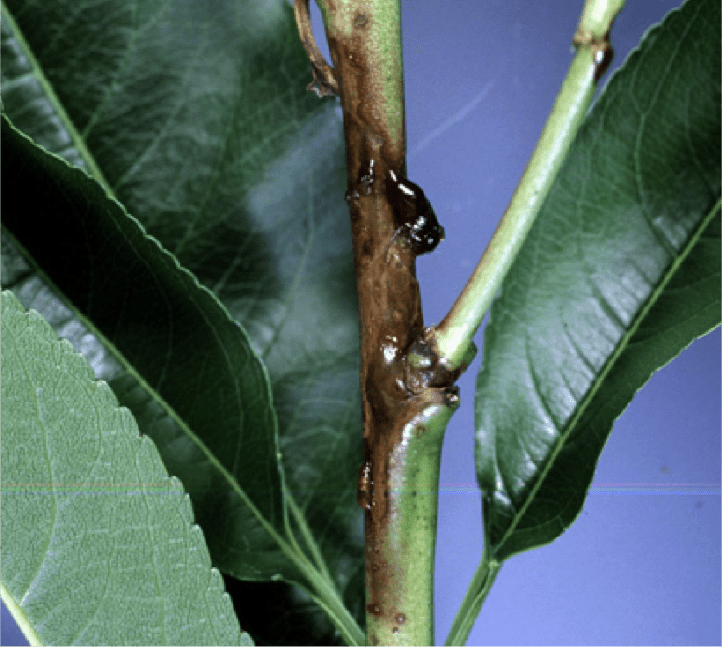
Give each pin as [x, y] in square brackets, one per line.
[414, 216]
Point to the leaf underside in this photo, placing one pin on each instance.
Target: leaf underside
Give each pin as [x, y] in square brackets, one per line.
[99, 545]
[620, 272]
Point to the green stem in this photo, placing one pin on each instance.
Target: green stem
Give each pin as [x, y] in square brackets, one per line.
[319, 583]
[307, 535]
[407, 547]
[454, 336]
[479, 588]
[324, 593]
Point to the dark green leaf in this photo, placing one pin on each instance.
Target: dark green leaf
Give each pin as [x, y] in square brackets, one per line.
[620, 272]
[214, 424]
[99, 545]
[196, 119]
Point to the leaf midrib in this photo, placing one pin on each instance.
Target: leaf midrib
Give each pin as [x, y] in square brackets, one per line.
[77, 139]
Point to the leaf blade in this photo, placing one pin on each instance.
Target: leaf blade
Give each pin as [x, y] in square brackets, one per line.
[164, 319]
[631, 223]
[106, 534]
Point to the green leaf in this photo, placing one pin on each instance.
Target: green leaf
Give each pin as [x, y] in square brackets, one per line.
[620, 272]
[99, 544]
[202, 393]
[198, 122]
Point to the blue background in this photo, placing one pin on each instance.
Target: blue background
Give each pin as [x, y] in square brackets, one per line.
[641, 564]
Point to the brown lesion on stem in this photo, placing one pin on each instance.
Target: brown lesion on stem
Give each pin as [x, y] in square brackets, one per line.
[400, 377]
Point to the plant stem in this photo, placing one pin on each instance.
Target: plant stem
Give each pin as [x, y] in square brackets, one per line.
[454, 335]
[407, 544]
[479, 588]
[321, 586]
[308, 537]
[324, 593]
[323, 589]
[407, 394]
